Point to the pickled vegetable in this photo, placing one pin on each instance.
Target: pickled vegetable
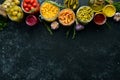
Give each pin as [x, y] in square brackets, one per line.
[72, 4]
[10, 3]
[85, 14]
[15, 13]
[96, 5]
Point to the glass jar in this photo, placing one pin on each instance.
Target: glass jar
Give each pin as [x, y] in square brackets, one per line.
[96, 5]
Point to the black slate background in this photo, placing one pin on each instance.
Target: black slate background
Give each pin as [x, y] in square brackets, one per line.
[32, 54]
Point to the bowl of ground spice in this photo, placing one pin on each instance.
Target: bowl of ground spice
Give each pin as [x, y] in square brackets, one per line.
[109, 10]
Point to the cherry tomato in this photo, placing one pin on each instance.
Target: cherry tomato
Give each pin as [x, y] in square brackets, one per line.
[27, 9]
[27, 1]
[32, 8]
[32, 1]
[24, 4]
[29, 5]
[34, 4]
[35, 0]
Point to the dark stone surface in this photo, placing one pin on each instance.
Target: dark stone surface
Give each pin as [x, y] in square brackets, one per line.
[32, 54]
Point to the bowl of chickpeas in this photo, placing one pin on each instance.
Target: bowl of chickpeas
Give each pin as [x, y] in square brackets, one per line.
[49, 12]
[85, 14]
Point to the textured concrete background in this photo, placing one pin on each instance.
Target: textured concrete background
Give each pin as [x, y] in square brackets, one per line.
[32, 54]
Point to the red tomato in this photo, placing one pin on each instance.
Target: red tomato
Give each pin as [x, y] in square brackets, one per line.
[35, 0]
[24, 4]
[32, 1]
[27, 9]
[29, 5]
[34, 4]
[27, 1]
[32, 8]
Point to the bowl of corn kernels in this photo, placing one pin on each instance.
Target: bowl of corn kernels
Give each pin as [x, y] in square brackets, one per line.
[49, 12]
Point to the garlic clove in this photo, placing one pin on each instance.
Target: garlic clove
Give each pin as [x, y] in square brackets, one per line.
[54, 25]
[117, 19]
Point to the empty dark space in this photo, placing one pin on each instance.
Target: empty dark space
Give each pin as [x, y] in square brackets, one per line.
[33, 54]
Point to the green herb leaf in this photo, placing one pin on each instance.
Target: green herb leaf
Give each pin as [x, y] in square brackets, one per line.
[32, 10]
[67, 33]
[117, 6]
[108, 25]
[108, 1]
[45, 24]
[74, 33]
[48, 28]
[3, 23]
